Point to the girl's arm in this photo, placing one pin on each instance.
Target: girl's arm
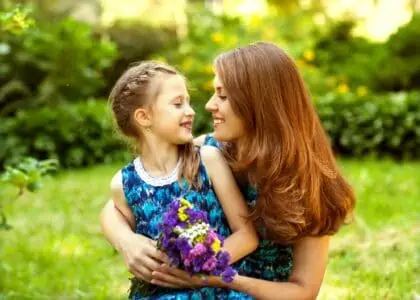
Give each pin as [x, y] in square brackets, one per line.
[244, 238]
[117, 223]
[309, 264]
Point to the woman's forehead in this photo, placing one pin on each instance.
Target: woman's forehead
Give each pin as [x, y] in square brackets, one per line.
[217, 83]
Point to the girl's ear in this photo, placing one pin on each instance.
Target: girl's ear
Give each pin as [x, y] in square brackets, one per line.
[143, 117]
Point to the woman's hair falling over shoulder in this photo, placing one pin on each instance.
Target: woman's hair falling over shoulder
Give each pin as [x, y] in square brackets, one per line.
[138, 87]
[285, 149]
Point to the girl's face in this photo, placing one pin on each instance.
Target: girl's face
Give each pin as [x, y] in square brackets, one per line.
[171, 114]
[227, 125]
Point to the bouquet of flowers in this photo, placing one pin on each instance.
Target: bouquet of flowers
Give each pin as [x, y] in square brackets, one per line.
[190, 243]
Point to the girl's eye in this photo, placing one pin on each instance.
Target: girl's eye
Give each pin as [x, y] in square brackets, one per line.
[178, 104]
[222, 97]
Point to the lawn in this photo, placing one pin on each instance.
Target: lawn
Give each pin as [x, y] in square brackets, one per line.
[56, 251]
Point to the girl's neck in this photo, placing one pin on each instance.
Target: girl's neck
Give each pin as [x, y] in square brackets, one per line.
[159, 158]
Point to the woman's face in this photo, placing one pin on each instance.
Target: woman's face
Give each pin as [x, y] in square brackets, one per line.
[227, 125]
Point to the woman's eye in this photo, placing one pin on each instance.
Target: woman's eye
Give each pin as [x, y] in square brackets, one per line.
[222, 97]
[178, 104]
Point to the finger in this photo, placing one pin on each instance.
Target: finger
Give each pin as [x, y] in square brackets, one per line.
[139, 275]
[142, 273]
[169, 279]
[165, 284]
[150, 263]
[164, 268]
[158, 255]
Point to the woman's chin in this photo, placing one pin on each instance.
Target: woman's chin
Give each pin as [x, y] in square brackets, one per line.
[220, 136]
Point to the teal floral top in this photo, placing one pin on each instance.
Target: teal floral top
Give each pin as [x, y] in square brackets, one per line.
[270, 261]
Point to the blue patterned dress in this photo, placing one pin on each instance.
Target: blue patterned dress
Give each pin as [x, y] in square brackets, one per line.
[148, 197]
[270, 261]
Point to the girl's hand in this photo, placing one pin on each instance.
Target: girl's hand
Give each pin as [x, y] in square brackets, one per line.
[176, 278]
[141, 256]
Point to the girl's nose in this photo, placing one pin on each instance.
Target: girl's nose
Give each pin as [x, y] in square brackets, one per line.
[189, 110]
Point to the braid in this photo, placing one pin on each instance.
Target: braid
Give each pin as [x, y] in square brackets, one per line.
[133, 91]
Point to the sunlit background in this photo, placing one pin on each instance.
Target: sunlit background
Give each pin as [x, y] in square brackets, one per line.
[59, 149]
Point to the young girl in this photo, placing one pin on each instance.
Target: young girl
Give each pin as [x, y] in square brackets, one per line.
[151, 105]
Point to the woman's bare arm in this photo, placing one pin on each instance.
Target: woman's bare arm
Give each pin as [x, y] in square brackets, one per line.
[309, 263]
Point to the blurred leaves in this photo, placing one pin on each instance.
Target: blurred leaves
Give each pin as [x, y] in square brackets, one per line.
[78, 134]
[63, 60]
[16, 21]
[26, 175]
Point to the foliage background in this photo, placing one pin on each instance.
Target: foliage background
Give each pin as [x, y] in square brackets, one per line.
[59, 60]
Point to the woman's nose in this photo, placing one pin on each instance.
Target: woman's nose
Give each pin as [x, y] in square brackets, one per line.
[211, 105]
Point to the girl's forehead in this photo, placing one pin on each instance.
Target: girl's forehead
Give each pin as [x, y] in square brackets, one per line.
[172, 83]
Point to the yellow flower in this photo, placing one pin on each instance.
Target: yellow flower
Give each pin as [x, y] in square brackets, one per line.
[181, 211]
[216, 245]
[217, 37]
[309, 55]
[343, 88]
[200, 239]
[181, 214]
[362, 90]
[186, 203]
[208, 69]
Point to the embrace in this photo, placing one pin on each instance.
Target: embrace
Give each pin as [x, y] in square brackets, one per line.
[266, 177]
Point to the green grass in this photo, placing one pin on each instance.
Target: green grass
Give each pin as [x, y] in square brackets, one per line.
[56, 251]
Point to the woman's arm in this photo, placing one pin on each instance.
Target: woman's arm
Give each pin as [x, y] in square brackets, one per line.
[244, 238]
[117, 222]
[309, 264]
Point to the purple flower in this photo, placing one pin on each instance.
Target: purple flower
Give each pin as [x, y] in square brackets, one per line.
[210, 264]
[223, 258]
[195, 255]
[228, 274]
[198, 250]
[184, 246]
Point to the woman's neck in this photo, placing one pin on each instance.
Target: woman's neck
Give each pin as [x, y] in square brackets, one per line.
[159, 158]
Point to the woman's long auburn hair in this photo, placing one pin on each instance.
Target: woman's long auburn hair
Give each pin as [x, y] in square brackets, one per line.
[285, 150]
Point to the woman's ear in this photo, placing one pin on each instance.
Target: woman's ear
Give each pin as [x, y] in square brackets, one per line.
[143, 117]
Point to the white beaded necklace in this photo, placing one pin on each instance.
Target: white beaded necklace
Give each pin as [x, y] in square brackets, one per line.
[156, 180]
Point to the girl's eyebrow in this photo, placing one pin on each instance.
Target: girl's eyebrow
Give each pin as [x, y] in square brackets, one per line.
[181, 97]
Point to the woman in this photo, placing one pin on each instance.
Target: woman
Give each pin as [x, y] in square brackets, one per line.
[274, 140]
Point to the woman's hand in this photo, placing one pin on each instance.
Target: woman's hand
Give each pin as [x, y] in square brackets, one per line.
[139, 252]
[176, 278]
[141, 255]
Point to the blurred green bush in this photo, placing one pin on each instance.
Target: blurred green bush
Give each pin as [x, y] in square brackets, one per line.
[135, 41]
[390, 66]
[78, 134]
[48, 66]
[82, 134]
[51, 63]
[387, 124]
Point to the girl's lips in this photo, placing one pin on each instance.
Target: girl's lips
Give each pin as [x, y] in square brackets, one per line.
[187, 125]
